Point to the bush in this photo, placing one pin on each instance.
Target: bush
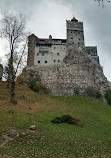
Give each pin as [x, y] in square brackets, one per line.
[31, 84]
[98, 94]
[20, 80]
[38, 87]
[57, 120]
[93, 92]
[76, 91]
[76, 121]
[108, 96]
[66, 118]
[90, 92]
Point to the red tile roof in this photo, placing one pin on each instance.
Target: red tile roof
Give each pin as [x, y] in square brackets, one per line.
[74, 19]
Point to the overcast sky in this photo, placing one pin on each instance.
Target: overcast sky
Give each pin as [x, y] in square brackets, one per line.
[47, 17]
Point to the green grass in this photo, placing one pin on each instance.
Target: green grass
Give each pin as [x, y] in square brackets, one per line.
[52, 140]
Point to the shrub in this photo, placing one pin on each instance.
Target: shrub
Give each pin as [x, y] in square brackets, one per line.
[93, 92]
[78, 123]
[38, 87]
[98, 94]
[108, 96]
[20, 80]
[90, 92]
[66, 118]
[31, 84]
[70, 121]
[57, 120]
[76, 91]
[75, 121]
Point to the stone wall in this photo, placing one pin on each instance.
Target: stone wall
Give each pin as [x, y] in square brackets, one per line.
[75, 33]
[92, 50]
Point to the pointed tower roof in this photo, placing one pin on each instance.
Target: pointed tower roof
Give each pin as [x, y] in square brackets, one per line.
[74, 19]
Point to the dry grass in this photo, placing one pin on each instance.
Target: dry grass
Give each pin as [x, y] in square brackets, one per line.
[27, 100]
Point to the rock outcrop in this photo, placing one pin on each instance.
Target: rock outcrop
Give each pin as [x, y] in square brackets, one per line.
[79, 70]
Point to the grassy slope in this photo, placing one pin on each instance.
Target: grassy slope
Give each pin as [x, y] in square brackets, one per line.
[50, 140]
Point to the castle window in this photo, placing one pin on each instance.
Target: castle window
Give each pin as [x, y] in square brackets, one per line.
[42, 54]
[58, 61]
[71, 38]
[38, 61]
[58, 54]
[54, 47]
[54, 60]
[45, 62]
[37, 54]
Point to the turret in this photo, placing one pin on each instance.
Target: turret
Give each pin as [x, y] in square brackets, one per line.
[50, 38]
[32, 40]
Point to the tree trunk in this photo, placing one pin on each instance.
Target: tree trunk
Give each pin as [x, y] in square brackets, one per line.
[8, 81]
[12, 79]
[9, 72]
[13, 91]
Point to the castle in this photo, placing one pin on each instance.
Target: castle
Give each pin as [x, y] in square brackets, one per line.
[46, 52]
[63, 65]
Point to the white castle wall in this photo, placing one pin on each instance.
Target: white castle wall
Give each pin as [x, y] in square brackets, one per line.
[46, 55]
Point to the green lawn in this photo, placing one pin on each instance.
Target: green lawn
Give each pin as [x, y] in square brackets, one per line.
[54, 140]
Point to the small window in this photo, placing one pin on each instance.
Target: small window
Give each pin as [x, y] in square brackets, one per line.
[58, 54]
[45, 62]
[38, 61]
[37, 54]
[54, 60]
[42, 54]
[58, 61]
[71, 38]
[54, 47]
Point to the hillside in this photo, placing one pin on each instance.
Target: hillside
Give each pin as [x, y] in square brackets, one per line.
[53, 140]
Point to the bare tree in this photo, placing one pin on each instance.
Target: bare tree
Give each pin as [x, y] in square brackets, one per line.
[14, 30]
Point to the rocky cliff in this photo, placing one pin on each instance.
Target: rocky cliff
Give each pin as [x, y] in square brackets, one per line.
[79, 70]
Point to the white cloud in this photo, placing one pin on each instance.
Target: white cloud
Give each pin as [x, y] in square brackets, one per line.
[50, 18]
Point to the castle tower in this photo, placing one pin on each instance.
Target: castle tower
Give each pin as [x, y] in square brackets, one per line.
[75, 35]
[32, 39]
